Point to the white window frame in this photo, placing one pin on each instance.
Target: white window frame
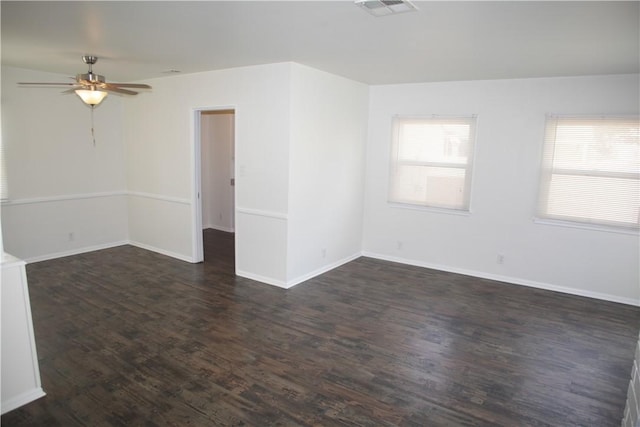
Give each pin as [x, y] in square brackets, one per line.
[467, 167]
[548, 170]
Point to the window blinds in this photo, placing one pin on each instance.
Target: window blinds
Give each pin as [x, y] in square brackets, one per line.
[591, 170]
[431, 161]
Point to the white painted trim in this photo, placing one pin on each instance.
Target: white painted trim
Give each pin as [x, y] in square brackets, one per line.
[22, 399]
[62, 198]
[26, 302]
[291, 283]
[506, 279]
[9, 261]
[220, 228]
[197, 244]
[322, 270]
[262, 279]
[160, 197]
[587, 226]
[162, 252]
[432, 209]
[76, 251]
[195, 116]
[262, 213]
[69, 197]
[87, 249]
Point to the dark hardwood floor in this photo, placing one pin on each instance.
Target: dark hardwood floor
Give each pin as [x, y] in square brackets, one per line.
[133, 338]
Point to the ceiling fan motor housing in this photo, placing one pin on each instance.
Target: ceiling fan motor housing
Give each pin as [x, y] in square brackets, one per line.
[90, 78]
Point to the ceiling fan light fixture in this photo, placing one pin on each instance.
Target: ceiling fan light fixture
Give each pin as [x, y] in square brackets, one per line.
[91, 97]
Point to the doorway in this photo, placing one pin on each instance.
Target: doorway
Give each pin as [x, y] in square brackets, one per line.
[215, 181]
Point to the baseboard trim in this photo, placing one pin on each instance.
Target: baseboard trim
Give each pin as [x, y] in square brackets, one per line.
[219, 228]
[76, 251]
[22, 399]
[322, 270]
[506, 279]
[300, 279]
[171, 254]
[86, 249]
[262, 279]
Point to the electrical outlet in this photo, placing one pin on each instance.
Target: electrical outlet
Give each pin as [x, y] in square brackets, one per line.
[399, 245]
[72, 236]
[324, 252]
[500, 259]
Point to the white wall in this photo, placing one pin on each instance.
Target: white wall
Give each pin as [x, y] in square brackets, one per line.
[136, 185]
[159, 135]
[300, 137]
[66, 195]
[511, 116]
[217, 131]
[298, 175]
[20, 371]
[326, 178]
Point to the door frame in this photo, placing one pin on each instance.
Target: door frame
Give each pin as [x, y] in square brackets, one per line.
[196, 182]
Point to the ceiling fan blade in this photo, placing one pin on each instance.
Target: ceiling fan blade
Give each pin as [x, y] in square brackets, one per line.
[110, 88]
[132, 85]
[92, 82]
[47, 84]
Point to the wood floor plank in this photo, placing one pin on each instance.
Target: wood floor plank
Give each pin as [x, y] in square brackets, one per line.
[129, 337]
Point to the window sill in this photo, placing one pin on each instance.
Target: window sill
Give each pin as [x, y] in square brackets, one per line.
[429, 209]
[585, 226]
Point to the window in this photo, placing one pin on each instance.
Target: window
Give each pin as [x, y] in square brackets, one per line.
[431, 161]
[591, 170]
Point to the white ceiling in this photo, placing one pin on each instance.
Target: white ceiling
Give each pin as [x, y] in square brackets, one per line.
[444, 40]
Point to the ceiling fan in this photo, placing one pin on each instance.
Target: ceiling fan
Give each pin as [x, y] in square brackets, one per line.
[93, 88]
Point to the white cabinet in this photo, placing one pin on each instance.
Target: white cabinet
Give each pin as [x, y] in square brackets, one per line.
[20, 372]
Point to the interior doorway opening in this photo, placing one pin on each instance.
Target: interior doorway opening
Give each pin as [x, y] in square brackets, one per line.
[215, 182]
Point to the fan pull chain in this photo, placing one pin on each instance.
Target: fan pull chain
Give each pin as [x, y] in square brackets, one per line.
[92, 130]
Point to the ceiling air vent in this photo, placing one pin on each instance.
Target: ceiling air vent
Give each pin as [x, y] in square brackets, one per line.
[386, 7]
